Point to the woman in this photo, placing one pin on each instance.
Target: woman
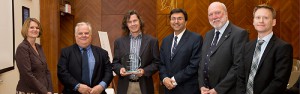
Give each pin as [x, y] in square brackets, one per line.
[34, 75]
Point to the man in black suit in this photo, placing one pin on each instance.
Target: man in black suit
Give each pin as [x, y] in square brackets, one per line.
[82, 67]
[138, 44]
[180, 56]
[267, 61]
[220, 53]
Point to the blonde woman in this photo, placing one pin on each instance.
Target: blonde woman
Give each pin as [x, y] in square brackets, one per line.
[34, 75]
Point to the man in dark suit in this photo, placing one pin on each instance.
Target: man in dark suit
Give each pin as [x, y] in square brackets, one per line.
[180, 56]
[267, 62]
[144, 48]
[82, 67]
[220, 53]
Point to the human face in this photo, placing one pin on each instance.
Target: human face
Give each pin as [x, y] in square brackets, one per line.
[133, 24]
[33, 30]
[217, 15]
[263, 20]
[178, 22]
[83, 36]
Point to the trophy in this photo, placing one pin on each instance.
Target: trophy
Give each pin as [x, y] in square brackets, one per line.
[131, 63]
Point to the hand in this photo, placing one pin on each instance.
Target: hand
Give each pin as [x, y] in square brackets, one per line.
[168, 82]
[84, 89]
[49, 92]
[97, 89]
[204, 90]
[123, 72]
[212, 91]
[140, 72]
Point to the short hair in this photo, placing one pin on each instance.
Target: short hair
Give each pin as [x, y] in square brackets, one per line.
[266, 7]
[127, 17]
[179, 10]
[26, 26]
[80, 24]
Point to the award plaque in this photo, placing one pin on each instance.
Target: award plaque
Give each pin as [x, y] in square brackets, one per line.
[131, 63]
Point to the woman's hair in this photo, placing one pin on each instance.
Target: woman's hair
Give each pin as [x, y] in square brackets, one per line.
[26, 26]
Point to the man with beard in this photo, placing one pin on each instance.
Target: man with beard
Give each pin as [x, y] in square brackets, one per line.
[220, 53]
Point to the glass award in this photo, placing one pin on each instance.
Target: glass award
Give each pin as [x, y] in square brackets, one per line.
[131, 63]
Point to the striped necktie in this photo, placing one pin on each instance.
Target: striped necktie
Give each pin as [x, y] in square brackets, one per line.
[254, 67]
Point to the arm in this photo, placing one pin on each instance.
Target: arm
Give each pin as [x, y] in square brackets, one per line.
[162, 65]
[153, 67]
[108, 76]
[117, 59]
[283, 67]
[241, 77]
[192, 68]
[63, 71]
[24, 65]
[229, 80]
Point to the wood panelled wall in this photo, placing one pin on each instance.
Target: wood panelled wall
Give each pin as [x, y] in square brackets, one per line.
[107, 15]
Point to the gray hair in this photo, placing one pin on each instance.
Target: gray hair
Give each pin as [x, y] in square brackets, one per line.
[80, 24]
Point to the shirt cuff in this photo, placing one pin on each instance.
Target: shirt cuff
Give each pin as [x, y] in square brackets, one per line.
[76, 87]
[103, 84]
[175, 83]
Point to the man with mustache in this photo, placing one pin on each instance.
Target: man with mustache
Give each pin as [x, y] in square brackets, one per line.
[220, 53]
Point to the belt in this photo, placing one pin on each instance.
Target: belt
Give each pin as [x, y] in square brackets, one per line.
[133, 80]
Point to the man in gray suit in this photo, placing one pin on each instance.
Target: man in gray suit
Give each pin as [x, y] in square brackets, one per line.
[220, 53]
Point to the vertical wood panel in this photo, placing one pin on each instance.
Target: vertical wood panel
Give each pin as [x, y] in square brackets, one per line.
[49, 17]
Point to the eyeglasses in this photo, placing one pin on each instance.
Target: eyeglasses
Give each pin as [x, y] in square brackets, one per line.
[83, 33]
[178, 18]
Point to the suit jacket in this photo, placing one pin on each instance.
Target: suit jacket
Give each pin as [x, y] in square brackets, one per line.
[34, 74]
[184, 64]
[273, 71]
[224, 58]
[149, 54]
[69, 68]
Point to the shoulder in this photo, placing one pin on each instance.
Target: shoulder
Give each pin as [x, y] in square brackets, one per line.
[98, 49]
[192, 34]
[236, 28]
[24, 45]
[150, 37]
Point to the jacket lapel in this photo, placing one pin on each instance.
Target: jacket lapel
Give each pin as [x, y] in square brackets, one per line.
[267, 50]
[77, 54]
[144, 44]
[223, 37]
[181, 42]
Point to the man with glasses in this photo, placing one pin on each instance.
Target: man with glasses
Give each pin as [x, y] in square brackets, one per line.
[180, 56]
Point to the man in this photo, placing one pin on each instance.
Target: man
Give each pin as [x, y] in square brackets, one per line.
[84, 68]
[220, 53]
[144, 50]
[267, 62]
[180, 56]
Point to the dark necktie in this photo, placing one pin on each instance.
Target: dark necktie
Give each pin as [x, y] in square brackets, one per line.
[174, 46]
[207, 59]
[85, 67]
[254, 67]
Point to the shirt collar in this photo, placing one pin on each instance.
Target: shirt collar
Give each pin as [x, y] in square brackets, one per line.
[222, 30]
[266, 38]
[180, 34]
[139, 36]
[88, 48]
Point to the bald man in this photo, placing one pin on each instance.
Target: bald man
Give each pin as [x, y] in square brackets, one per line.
[220, 53]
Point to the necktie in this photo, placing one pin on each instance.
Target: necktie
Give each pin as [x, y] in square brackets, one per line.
[85, 67]
[254, 67]
[174, 46]
[207, 59]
